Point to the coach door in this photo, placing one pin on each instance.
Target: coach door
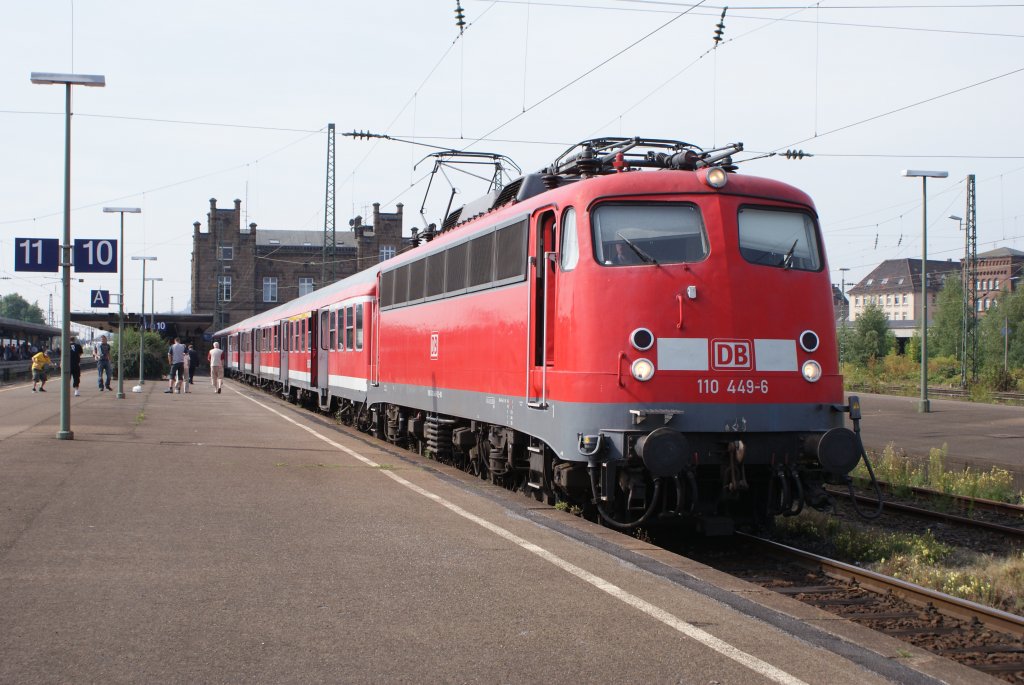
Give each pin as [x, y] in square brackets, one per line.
[543, 267]
[323, 337]
[282, 351]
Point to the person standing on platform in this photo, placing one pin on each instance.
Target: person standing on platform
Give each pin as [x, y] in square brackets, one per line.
[186, 366]
[216, 359]
[101, 353]
[40, 360]
[176, 358]
[75, 359]
[193, 362]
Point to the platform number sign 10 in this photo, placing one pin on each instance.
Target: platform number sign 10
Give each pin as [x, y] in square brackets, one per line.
[95, 256]
[36, 254]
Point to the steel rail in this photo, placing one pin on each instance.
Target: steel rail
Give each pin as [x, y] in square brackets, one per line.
[916, 594]
[936, 515]
[963, 501]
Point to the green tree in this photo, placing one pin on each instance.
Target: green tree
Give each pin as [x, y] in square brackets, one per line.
[946, 334]
[154, 354]
[14, 306]
[871, 338]
[1001, 333]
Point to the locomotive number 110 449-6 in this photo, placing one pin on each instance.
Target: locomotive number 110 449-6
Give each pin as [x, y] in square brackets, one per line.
[749, 386]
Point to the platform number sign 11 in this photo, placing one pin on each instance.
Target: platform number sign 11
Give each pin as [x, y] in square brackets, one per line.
[95, 256]
[36, 254]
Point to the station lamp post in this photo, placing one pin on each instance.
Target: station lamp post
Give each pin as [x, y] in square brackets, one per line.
[66, 80]
[120, 300]
[152, 302]
[923, 406]
[142, 316]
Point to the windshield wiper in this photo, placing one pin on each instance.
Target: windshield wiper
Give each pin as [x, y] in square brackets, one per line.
[787, 261]
[639, 252]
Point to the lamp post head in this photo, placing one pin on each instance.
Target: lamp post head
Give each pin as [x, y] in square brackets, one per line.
[44, 78]
[918, 173]
[954, 217]
[122, 210]
[143, 259]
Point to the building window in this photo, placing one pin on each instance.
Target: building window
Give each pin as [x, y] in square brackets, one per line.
[387, 252]
[904, 298]
[995, 285]
[227, 253]
[888, 299]
[856, 300]
[270, 289]
[305, 286]
[224, 286]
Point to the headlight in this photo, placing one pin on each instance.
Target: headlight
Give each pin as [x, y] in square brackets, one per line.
[809, 341]
[643, 369]
[716, 177]
[642, 339]
[811, 371]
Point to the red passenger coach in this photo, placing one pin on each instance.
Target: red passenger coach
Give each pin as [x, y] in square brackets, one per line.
[636, 329]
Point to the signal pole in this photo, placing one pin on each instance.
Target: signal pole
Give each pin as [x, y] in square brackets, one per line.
[330, 237]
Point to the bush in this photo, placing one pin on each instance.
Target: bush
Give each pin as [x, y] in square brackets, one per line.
[155, 354]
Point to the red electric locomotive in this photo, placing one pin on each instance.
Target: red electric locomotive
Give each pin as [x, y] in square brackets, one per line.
[636, 329]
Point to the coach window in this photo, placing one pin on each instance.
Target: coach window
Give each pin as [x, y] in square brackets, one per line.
[779, 238]
[359, 326]
[324, 328]
[632, 234]
[350, 323]
[334, 329]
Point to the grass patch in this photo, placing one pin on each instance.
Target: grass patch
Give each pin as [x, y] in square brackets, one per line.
[140, 418]
[384, 467]
[902, 473]
[920, 559]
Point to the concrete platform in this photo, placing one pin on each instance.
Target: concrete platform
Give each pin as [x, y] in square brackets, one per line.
[234, 538]
[978, 435]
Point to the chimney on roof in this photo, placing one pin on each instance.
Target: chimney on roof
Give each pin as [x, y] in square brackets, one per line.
[213, 204]
[238, 205]
[195, 228]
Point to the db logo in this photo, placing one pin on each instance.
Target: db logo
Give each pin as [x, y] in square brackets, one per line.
[731, 354]
[434, 345]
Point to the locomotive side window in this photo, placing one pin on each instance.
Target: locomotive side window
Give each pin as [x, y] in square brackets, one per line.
[511, 252]
[630, 234]
[435, 274]
[570, 250]
[455, 275]
[779, 238]
[481, 260]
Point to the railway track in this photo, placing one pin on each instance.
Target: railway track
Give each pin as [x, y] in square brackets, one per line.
[951, 393]
[1012, 514]
[986, 639]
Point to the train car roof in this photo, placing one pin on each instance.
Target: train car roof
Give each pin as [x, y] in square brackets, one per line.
[362, 283]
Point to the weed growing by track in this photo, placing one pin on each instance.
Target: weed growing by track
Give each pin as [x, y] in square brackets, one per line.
[895, 468]
[921, 559]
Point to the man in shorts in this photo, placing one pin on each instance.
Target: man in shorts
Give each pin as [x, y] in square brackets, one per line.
[176, 358]
[40, 360]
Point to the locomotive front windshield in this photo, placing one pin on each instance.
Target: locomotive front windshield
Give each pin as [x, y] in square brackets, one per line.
[635, 234]
[779, 238]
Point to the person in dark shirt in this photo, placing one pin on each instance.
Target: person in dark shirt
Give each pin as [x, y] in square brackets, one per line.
[102, 354]
[193, 363]
[75, 358]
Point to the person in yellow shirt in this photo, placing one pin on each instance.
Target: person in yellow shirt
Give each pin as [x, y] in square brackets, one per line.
[39, 363]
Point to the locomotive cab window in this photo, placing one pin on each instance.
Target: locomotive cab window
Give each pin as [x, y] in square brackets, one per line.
[779, 238]
[635, 234]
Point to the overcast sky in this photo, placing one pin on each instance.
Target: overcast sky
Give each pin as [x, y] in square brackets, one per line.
[231, 99]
